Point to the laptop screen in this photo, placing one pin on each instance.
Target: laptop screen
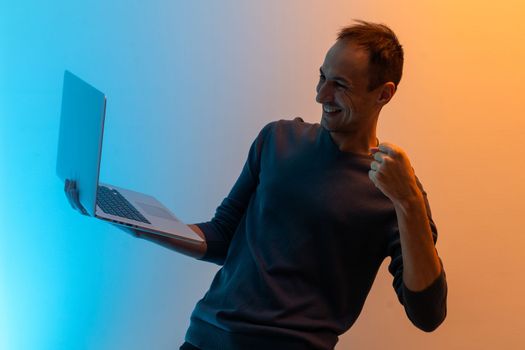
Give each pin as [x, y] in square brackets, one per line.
[80, 137]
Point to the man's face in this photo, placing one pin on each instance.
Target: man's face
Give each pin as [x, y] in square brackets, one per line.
[342, 89]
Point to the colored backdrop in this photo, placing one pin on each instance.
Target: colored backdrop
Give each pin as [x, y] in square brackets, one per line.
[189, 85]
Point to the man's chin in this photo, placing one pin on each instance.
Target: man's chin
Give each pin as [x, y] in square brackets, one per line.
[324, 126]
[333, 127]
[327, 125]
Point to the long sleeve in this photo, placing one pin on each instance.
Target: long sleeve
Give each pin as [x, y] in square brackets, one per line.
[426, 309]
[220, 230]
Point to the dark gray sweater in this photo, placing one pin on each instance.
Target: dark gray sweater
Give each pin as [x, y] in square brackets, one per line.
[301, 237]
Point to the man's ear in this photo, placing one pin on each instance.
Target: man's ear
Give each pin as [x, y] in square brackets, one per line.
[386, 92]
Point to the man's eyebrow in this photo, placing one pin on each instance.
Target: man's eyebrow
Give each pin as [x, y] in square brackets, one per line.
[340, 79]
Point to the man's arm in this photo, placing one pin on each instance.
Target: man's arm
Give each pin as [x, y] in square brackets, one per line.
[194, 250]
[218, 232]
[392, 173]
[419, 278]
[421, 265]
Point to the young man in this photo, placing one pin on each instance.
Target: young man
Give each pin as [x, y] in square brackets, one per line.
[315, 211]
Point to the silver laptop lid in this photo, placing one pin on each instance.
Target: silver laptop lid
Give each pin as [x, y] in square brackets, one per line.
[80, 137]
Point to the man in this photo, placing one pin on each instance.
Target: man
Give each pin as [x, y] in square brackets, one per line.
[315, 211]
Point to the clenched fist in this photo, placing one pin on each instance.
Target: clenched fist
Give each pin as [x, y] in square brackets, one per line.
[391, 172]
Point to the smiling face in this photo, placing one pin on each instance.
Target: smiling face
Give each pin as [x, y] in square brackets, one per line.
[343, 90]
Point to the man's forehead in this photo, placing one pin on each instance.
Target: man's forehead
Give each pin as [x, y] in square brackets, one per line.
[346, 58]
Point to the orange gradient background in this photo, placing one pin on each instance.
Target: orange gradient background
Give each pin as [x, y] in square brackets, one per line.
[458, 114]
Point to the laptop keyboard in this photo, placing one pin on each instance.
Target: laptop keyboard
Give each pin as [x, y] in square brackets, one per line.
[113, 203]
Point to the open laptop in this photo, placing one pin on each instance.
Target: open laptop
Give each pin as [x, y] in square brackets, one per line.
[79, 154]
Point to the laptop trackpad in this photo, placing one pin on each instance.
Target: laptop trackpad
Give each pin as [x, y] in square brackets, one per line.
[156, 211]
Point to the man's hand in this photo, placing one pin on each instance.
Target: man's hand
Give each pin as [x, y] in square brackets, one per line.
[72, 194]
[392, 173]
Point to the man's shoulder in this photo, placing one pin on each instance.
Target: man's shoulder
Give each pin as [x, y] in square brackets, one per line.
[290, 126]
[290, 133]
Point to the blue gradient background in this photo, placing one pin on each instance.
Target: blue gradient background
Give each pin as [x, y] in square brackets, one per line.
[189, 86]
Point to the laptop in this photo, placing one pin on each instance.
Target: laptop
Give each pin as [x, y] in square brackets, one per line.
[79, 154]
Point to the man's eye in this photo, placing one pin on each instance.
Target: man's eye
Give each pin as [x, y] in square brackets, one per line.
[341, 86]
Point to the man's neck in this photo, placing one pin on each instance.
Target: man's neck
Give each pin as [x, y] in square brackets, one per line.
[359, 144]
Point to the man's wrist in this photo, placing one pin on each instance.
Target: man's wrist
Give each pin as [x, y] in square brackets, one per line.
[410, 203]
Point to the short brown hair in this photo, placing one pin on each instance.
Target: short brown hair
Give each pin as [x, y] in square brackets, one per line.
[385, 53]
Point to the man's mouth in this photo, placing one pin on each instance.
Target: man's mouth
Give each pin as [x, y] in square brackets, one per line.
[330, 109]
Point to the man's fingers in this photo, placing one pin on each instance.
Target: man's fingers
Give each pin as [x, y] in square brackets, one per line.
[70, 194]
[387, 148]
[82, 210]
[67, 185]
[70, 188]
[372, 176]
[379, 156]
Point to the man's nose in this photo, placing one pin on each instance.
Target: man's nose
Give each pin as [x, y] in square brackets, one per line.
[324, 93]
